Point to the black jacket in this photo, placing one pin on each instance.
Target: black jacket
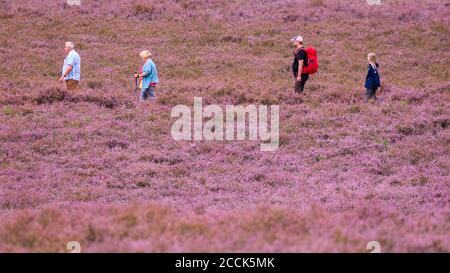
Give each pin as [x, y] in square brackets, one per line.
[373, 78]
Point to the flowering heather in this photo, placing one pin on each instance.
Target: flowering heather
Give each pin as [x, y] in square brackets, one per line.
[96, 167]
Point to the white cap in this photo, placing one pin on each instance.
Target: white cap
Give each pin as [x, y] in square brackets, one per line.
[297, 39]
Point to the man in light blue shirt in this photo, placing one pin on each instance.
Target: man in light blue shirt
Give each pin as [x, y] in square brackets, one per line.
[71, 70]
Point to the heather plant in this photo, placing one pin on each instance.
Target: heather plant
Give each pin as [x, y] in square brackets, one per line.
[96, 167]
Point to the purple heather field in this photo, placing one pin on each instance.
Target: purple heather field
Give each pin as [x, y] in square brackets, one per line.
[94, 166]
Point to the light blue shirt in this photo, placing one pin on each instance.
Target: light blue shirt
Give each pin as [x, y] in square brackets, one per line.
[150, 74]
[74, 60]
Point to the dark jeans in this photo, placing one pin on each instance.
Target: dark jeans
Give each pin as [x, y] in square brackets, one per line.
[300, 85]
[148, 93]
[371, 93]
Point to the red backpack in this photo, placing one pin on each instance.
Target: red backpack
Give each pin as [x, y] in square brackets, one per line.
[313, 62]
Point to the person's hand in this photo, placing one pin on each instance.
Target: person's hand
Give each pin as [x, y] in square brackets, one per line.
[61, 79]
[136, 75]
[299, 78]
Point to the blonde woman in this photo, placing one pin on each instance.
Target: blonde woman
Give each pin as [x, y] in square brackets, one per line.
[149, 76]
[372, 78]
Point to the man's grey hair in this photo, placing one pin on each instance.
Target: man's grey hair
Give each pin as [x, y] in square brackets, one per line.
[70, 45]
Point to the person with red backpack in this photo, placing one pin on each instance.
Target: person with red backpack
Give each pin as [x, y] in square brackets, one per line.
[305, 63]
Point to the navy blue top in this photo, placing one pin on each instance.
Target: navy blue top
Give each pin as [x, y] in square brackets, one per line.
[373, 78]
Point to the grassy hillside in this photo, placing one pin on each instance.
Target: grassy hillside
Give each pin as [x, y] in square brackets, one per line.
[95, 167]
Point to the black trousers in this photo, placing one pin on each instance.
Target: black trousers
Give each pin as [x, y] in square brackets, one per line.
[371, 93]
[300, 85]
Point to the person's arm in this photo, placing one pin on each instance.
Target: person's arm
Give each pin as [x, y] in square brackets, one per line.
[68, 69]
[70, 64]
[369, 68]
[300, 68]
[301, 57]
[379, 79]
[146, 70]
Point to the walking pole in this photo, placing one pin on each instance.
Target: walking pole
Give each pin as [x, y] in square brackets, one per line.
[136, 84]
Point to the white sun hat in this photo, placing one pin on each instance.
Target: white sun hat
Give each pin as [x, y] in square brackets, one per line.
[297, 39]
